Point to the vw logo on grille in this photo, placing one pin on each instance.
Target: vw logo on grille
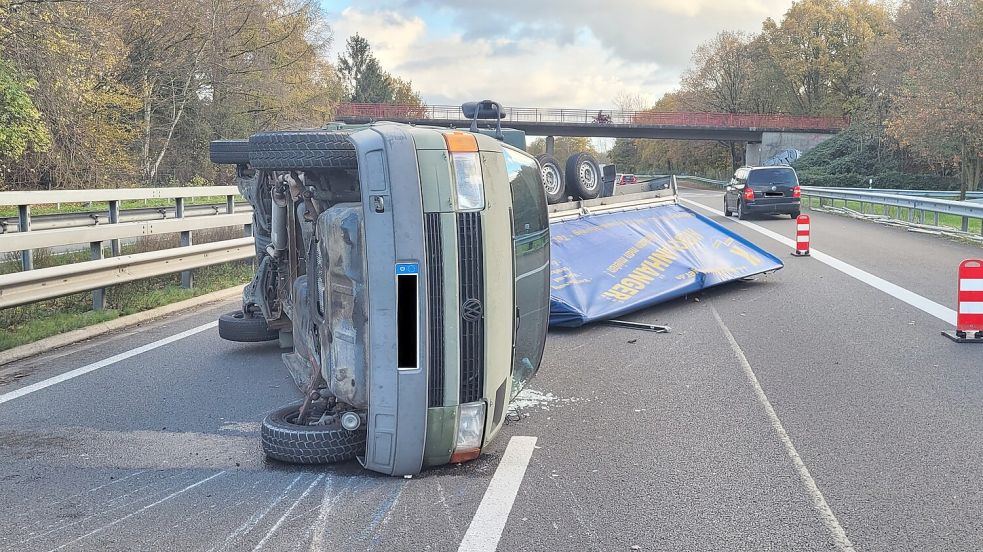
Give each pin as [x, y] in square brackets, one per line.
[773, 188]
[471, 310]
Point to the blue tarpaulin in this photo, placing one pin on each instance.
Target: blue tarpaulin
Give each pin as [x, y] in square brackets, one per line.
[606, 265]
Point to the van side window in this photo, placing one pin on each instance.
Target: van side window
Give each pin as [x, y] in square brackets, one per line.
[528, 195]
[531, 265]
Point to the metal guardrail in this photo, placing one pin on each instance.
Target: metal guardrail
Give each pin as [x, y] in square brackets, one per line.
[919, 193]
[597, 117]
[45, 283]
[34, 285]
[10, 225]
[916, 207]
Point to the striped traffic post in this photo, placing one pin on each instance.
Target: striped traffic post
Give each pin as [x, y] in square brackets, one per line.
[969, 303]
[801, 236]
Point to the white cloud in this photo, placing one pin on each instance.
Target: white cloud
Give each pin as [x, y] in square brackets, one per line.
[546, 54]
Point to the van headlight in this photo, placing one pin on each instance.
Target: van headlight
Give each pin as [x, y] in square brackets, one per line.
[467, 175]
[470, 429]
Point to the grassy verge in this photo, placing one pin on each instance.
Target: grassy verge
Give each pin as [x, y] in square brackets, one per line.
[28, 323]
[949, 221]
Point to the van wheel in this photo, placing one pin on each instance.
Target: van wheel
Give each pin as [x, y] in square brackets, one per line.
[552, 176]
[237, 326]
[740, 211]
[286, 441]
[304, 149]
[584, 175]
[727, 211]
[795, 214]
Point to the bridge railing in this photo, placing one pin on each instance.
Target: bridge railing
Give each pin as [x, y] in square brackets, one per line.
[376, 112]
[30, 285]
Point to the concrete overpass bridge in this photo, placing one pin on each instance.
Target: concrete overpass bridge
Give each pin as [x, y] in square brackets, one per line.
[765, 134]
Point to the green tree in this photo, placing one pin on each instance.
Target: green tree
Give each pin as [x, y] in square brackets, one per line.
[366, 82]
[820, 47]
[938, 108]
[21, 127]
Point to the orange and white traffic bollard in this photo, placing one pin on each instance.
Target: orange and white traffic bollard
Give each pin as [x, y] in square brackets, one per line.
[802, 236]
[969, 299]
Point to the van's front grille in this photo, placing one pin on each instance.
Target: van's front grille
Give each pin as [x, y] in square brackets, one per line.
[472, 295]
[435, 304]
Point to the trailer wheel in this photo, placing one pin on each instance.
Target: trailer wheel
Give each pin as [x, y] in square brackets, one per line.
[236, 326]
[304, 149]
[303, 444]
[228, 152]
[552, 176]
[584, 175]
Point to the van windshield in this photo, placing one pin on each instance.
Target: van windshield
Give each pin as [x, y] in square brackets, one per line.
[783, 176]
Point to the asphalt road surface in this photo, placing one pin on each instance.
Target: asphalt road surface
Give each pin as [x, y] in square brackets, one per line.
[803, 410]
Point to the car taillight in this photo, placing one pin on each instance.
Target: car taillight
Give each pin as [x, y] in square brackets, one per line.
[748, 193]
[797, 191]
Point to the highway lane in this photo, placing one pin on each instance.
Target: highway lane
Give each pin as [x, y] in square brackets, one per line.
[655, 441]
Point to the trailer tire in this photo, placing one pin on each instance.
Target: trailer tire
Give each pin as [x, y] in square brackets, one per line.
[236, 326]
[304, 149]
[228, 152]
[552, 176]
[302, 444]
[583, 175]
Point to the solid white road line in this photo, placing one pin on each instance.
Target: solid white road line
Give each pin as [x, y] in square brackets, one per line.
[489, 521]
[26, 390]
[815, 495]
[921, 303]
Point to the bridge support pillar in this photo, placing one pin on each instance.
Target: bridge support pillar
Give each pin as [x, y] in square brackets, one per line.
[550, 145]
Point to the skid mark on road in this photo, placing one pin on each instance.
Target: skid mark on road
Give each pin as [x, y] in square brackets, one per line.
[112, 505]
[257, 516]
[140, 511]
[815, 495]
[286, 513]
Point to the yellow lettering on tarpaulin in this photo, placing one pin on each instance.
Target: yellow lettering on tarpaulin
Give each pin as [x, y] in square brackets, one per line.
[654, 265]
[747, 255]
[564, 277]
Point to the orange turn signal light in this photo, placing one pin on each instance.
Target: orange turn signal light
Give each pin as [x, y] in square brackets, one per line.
[465, 455]
[460, 142]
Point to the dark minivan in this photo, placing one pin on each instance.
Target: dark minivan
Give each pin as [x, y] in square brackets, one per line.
[763, 190]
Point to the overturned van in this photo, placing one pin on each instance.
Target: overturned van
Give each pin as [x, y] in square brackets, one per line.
[406, 269]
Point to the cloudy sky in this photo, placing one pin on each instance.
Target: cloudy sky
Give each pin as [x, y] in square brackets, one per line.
[541, 53]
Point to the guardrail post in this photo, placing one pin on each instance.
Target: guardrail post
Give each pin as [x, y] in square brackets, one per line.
[98, 295]
[24, 225]
[965, 225]
[935, 218]
[187, 278]
[230, 205]
[114, 219]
